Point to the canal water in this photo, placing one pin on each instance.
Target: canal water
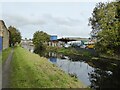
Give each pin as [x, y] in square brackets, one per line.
[77, 68]
[93, 73]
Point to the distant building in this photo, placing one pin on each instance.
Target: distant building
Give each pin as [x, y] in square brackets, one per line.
[27, 44]
[74, 41]
[67, 42]
[53, 38]
[4, 36]
[53, 41]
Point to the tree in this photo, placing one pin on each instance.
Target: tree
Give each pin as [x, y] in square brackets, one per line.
[39, 48]
[40, 37]
[15, 35]
[105, 22]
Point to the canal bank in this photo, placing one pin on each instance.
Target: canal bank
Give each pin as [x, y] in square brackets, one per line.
[95, 73]
[31, 71]
[84, 53]
[5, 53]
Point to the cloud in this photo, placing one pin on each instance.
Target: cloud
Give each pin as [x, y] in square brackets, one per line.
[61, 26]
[66, 26]
[65, 21]
[78, 31]
[62, 31]
[17, 20]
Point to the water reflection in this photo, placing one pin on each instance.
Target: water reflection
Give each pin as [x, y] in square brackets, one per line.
[97, 74]
[80, 69]
[71, 65]
[105, 79]
[53, 60]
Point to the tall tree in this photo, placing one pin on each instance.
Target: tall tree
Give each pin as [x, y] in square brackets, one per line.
[105, 22]
[15, 35]
[40, 37]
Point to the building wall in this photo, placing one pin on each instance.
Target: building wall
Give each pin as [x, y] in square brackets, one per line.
[53, 37]
[56, 43]
[4, 33]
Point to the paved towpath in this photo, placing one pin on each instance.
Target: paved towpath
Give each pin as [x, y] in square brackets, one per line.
[6, 71]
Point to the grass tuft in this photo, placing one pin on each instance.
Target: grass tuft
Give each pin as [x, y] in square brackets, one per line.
[5, 54]
[32, 71]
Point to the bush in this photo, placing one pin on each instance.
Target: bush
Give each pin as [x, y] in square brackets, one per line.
[39, 48]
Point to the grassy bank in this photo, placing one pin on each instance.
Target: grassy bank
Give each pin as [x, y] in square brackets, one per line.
[31, 70]
[70, 51]
[5, 54]
[0, 57]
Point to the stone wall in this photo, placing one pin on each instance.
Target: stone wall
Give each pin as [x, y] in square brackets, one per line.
[4, 33]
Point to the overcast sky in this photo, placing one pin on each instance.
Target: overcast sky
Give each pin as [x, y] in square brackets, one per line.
[64, 19]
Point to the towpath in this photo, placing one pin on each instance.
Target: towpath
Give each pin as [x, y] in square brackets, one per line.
[6, 71]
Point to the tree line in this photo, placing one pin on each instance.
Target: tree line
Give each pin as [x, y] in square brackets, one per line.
[39, 39]
[15, 36]
[105, 23]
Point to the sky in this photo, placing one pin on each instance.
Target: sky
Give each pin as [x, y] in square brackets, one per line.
[64, 19]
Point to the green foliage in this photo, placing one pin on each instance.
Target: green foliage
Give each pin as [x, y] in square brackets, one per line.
[15, 35]
[40, 36]
[40, 48]
[52, 49]
[70, 51]
[39, 39]
[5, 53]
[29, 70]
[105, 22]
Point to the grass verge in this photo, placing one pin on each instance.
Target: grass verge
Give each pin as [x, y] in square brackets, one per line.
[5, 54]
[29, 70]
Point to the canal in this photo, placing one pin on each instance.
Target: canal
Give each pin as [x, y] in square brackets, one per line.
[78, 68]
[93, 73]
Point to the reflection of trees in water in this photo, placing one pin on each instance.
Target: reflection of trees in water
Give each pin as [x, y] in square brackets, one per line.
[61, 56]
[105, 75]
[41, 53]
[75, 58]
[46, 54]
[102, 64]
[105, 79]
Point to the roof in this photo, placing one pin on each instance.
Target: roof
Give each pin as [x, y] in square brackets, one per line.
[73, 39]
[2, 23]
